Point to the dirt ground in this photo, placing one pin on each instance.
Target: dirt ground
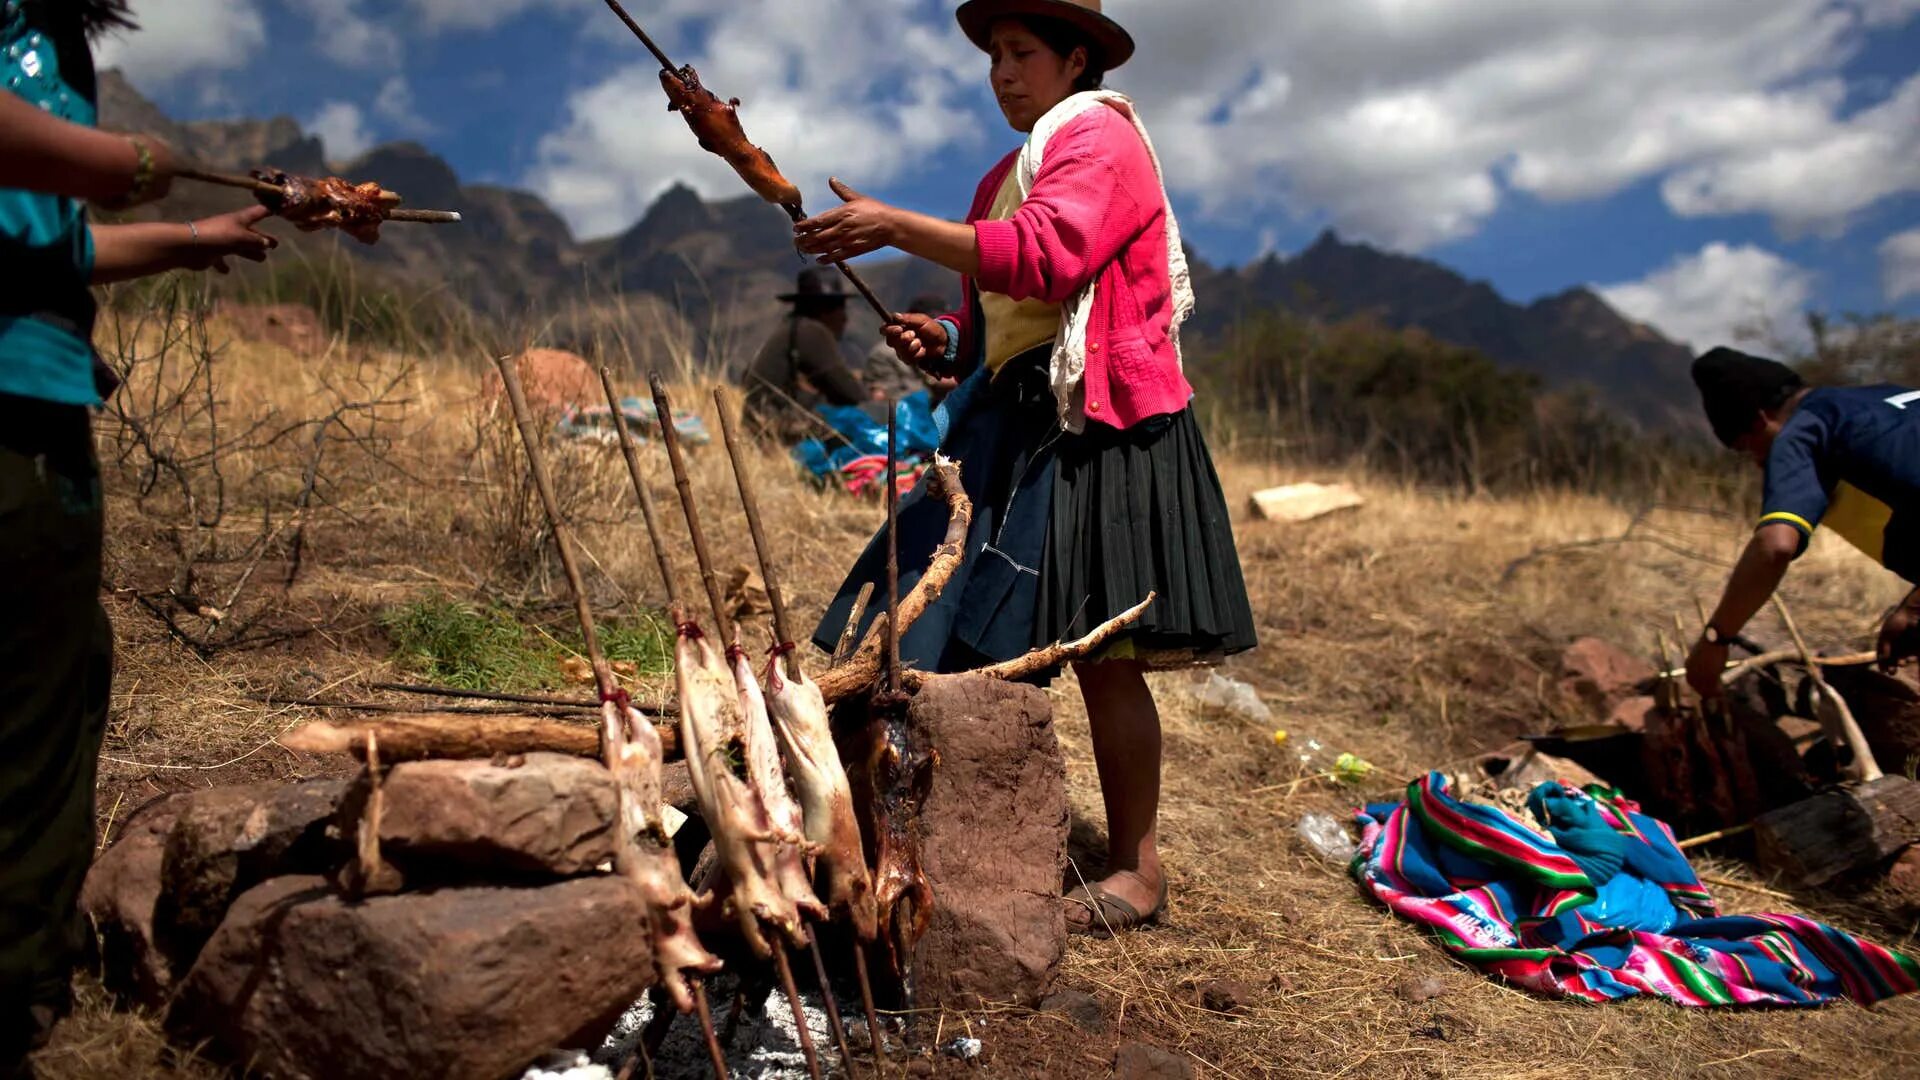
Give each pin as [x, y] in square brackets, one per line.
[1386, 632]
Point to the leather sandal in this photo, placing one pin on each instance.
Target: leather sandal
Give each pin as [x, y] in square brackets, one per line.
[1109, 914]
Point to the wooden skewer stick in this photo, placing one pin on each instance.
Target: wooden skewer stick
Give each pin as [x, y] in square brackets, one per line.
[850, 633]
[893, 550]
[625, 855]
[262, 187]
[782, 629]
[640, 491]
[1863, 762]
[663, 405]
[1717, 834]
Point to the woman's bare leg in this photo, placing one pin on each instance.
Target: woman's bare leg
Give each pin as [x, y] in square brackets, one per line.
[1126, 750]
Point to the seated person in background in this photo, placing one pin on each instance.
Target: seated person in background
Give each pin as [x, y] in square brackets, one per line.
[800, 365]
[1845, 457]
[890, 378]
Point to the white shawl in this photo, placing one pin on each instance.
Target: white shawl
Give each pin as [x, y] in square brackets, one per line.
[1069, 364]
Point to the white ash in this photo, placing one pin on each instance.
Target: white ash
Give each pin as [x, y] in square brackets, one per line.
[566, 1066]
[765, 1045]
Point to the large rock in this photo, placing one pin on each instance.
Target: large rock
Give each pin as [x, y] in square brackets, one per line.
[1601, 675]
[995, 843]
[122, 888]
[474, 983]
[1888, 711]
[227, 840]
[541, 814]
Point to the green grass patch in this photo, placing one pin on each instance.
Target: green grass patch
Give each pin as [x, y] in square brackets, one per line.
[454, 643]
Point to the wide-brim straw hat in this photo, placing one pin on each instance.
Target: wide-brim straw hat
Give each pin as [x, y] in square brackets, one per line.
[1115, 44]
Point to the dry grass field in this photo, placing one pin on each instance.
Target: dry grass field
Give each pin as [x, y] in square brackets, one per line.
[1386, 632]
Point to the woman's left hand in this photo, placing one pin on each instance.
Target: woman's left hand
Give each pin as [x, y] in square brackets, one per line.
[225, 235]
[859, 226]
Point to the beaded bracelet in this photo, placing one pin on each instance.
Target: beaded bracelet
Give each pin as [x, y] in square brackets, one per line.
[142, 173]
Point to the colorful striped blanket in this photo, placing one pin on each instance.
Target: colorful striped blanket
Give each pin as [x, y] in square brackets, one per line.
[1607, 909]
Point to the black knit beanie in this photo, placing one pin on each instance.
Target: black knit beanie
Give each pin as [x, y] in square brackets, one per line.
[1735, 386]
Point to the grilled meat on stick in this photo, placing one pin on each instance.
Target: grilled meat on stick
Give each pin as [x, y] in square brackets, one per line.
[902, 776]
[799, 716]
[716, 124]
[790, 850]
[713, 737]
[634, 747]
[311, 205]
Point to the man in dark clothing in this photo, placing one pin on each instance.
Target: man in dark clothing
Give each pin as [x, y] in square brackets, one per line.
[1844, 457]
[800, 365]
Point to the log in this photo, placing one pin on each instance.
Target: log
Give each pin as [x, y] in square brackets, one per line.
[421, 736]
[863, 669]
[1855, 827]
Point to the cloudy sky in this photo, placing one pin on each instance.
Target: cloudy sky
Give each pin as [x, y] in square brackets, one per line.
[1708, 164]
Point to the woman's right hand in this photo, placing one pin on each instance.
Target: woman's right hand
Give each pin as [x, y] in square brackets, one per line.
[917, 339]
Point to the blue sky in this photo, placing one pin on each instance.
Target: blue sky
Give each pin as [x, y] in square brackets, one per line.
[1710, 164]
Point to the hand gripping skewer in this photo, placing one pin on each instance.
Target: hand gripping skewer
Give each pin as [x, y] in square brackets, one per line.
[563, 542]
[663, 406]
[794, 211]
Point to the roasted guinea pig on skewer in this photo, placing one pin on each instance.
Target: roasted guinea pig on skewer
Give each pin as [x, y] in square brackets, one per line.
[769, 781]
[799, 716]
[901, 777]
[713, 737]
[635, 748]
[328, 202]
[716, 124]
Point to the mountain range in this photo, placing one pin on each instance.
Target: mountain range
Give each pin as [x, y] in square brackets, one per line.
[717, 265]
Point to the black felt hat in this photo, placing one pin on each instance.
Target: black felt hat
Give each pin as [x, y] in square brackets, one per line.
[1735, 387]
[817, 288]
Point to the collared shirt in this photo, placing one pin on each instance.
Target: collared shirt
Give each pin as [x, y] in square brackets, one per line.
[46, 248]
[1849, 459]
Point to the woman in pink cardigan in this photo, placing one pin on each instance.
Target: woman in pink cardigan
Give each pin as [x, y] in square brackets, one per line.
[1091, 484]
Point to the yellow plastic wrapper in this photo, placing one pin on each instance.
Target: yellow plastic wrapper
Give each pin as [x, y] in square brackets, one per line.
[1349, 769]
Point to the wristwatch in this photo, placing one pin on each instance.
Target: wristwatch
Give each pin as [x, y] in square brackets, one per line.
[1712, 636]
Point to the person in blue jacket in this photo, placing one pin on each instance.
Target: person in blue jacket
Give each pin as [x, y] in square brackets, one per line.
[1846, 458]
[56, 649]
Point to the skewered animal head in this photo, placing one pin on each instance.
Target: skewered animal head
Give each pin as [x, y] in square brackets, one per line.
[799, 716]
[311, 205]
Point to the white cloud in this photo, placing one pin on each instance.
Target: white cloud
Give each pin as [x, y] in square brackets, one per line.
[1900, 265]
[342, 129]
[1721, 295]
[394, 104]
[181, 37]
[486, 14]
[817, 108]
[346, 36]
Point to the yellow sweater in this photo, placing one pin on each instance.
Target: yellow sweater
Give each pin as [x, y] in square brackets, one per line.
[1013, 326]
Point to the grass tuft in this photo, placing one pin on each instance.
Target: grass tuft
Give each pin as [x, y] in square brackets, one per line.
[465, 645]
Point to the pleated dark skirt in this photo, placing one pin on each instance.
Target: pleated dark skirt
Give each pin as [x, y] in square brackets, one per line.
[1069, 531]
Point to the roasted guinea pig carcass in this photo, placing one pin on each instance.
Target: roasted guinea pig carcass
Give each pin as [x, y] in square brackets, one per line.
[328, 202]
[647, 858]
[717, 125]
[902, 777]
[714, 739]
[789, 848]
[799, 716]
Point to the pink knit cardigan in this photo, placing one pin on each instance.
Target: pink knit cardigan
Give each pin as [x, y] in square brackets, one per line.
[1096, 213]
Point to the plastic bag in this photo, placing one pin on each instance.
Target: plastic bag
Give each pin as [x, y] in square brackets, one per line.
[1326, 837]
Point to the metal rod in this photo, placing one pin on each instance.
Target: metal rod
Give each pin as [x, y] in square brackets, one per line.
[642, 35]
[800, 1028]
[557, 522]
[761, 549]
[640, 486]
[893, 552]
[723, 625]
[826, 999]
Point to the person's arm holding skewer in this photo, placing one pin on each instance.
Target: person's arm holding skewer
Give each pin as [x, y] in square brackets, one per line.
[41, 152]
[123, 252]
